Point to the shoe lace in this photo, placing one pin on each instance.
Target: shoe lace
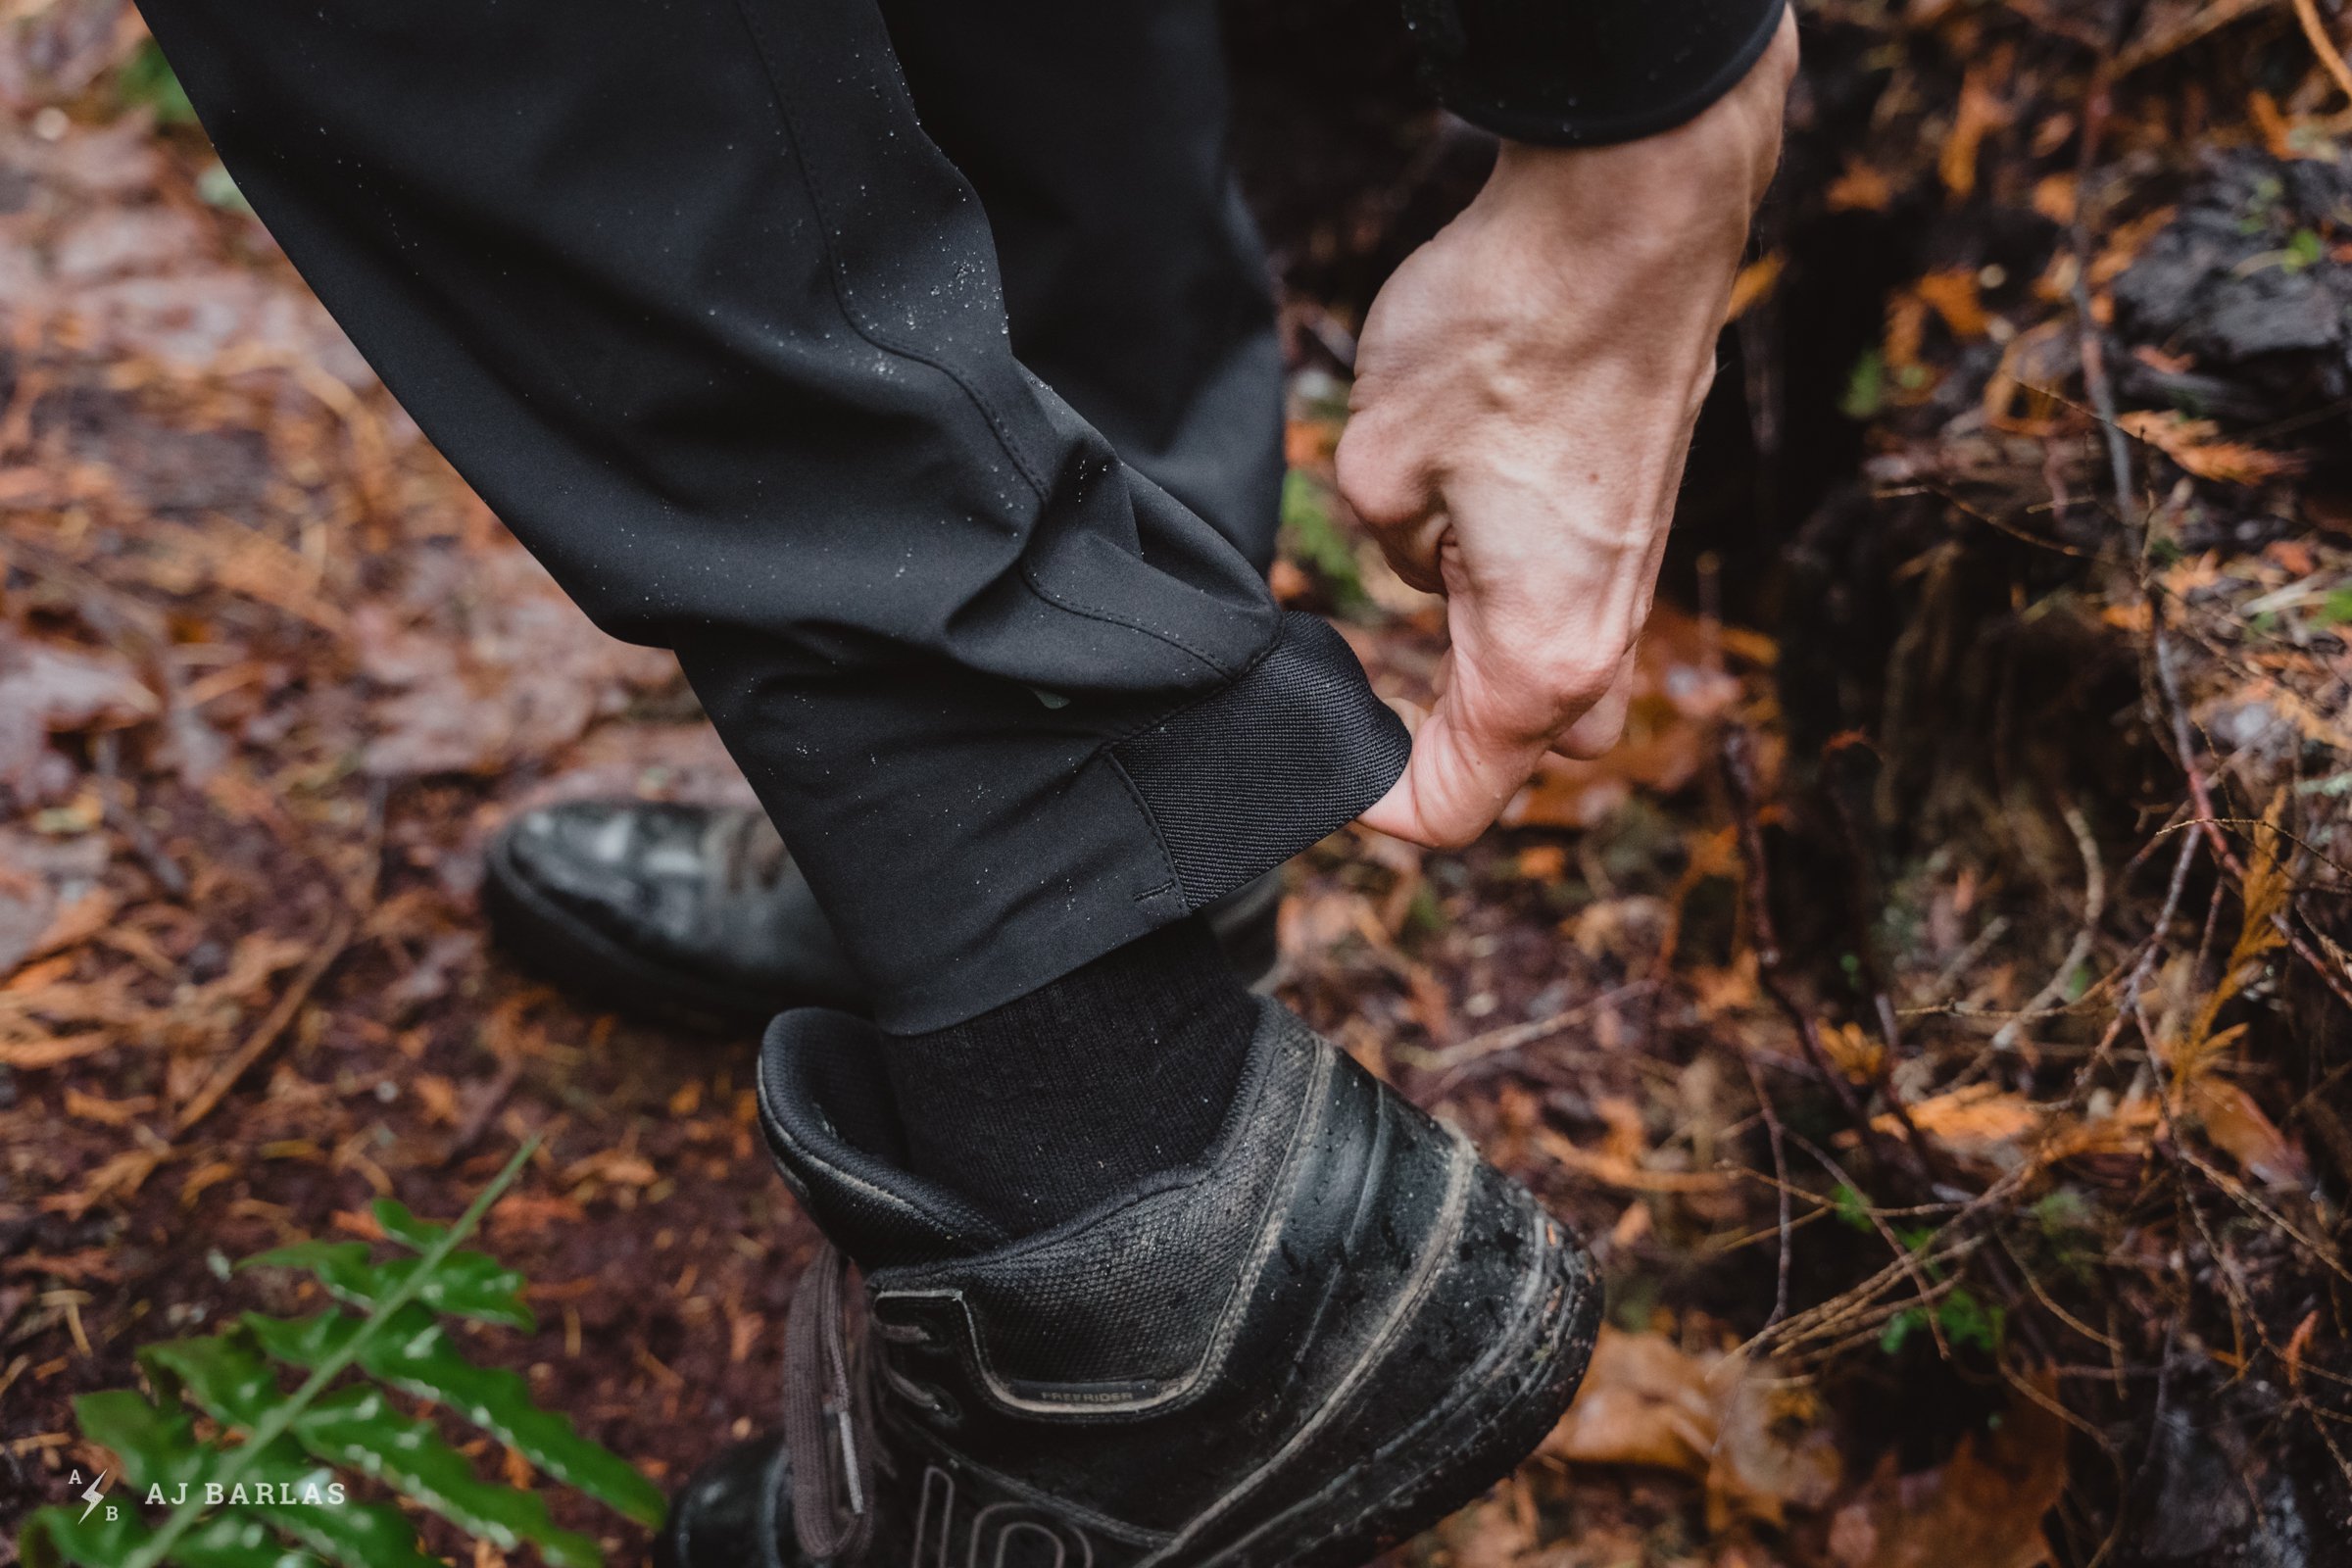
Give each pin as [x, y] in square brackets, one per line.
[828, 1427]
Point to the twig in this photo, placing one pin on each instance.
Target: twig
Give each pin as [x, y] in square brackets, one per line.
[1780, 1172]
[478, 1121]
[1894, 1243]
[1515, 1036]
[2308, 14]
[1863, 898]
[201, 1106]
[2205, 19]
[2050, 1305]
[2238, 1191]
[1739, 767]
[2097, 105]
[2209, 821]
[2173, 889]
[121, 804]
[2094, 907]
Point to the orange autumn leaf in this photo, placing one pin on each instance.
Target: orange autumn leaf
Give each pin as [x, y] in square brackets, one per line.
[2195, 445]
[2239, 1128]
[2054, 197]
[1980, 112]
[1755, 281]
[1975, 1120]
[1759, 1441]
[1952, 295]
[1861, 189]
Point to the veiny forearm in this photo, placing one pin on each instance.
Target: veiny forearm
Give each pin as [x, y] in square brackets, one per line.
[1527, 386]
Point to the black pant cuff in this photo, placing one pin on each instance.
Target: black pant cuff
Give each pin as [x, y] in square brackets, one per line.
[1242, 779]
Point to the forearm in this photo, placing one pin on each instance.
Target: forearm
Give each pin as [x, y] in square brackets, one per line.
[1526, 388]
[1586, 73]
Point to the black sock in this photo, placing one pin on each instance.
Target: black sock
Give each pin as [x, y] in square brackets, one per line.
[1049, 1103]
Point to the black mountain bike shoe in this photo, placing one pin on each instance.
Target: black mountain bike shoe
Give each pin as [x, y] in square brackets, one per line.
[1338, 1328]
[696, 914]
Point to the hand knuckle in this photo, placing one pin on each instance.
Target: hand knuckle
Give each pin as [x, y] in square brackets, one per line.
[1576, 674]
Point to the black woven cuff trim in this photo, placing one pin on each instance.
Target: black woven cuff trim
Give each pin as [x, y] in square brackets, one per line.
[1601, 72]
[1240, 781]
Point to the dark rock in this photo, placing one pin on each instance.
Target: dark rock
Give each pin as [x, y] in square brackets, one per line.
[2245, 281]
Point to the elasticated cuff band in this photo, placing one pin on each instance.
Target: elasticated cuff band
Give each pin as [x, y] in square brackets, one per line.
[1587, 72]
[1243, 780]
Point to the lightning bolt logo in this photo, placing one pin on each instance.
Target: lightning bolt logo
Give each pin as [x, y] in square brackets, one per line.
[94, 1495]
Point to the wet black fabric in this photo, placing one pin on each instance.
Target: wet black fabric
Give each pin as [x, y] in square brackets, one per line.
[716, 323]
[1579, 73]
[923, 399]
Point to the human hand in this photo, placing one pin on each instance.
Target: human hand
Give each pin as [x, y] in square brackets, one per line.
[1526, 388]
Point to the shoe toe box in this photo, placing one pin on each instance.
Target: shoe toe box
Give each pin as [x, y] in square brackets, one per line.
[734, 1512]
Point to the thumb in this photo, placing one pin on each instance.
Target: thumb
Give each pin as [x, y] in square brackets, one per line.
[1459, 778]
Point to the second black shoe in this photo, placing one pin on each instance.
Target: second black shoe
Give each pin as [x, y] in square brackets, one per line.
[1337, 1328]
[696, 914]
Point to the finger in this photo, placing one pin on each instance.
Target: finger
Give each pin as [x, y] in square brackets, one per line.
[1394, 496]
[1602, 725]
[1459, 780]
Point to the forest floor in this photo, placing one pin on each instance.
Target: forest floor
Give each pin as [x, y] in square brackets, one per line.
[1934, 1015]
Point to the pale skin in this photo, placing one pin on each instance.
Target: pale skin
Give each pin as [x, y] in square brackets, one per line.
[1526, 388]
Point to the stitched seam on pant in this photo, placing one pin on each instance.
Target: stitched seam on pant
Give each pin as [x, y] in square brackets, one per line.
[1146, 726]
[1053, 598]
[1159, 841]
[866, 330]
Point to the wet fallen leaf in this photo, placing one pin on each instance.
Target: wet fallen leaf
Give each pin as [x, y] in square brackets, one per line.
[620, 1167]
[50, 898]
[1616, 1170]
[2196, 445]
[107, 1112]
[529, 675]
[31, 1053]
[1855, 1052]
[1497, 1532]
[1976, 1121]
[2240, 1129]
[1980, 112]
[1775, 1449]
[1679, 690]
[1982, 1508]
[77, 922]
[47, 689]
[1761, 1444]
[1860, 188]
[1643, 1402]
[1954, 297]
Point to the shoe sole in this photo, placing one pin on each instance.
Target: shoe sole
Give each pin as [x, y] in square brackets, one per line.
[1507, 1405]
[558, 946]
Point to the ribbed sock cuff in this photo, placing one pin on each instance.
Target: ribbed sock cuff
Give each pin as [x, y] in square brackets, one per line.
[1038, 1109]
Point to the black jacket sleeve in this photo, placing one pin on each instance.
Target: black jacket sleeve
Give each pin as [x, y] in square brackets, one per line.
[1580, 72]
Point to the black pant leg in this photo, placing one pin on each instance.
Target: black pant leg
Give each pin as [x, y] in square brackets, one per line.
[686, 293]
[1095, 137]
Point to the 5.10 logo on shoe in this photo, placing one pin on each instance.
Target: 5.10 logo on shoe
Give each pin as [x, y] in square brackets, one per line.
[240, 1494]
[998, 1535]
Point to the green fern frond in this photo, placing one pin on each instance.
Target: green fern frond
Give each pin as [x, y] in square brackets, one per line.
[158, 1449]
[417, 1356]
[470, 1285]
[275, 1497]
[358, 1427]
